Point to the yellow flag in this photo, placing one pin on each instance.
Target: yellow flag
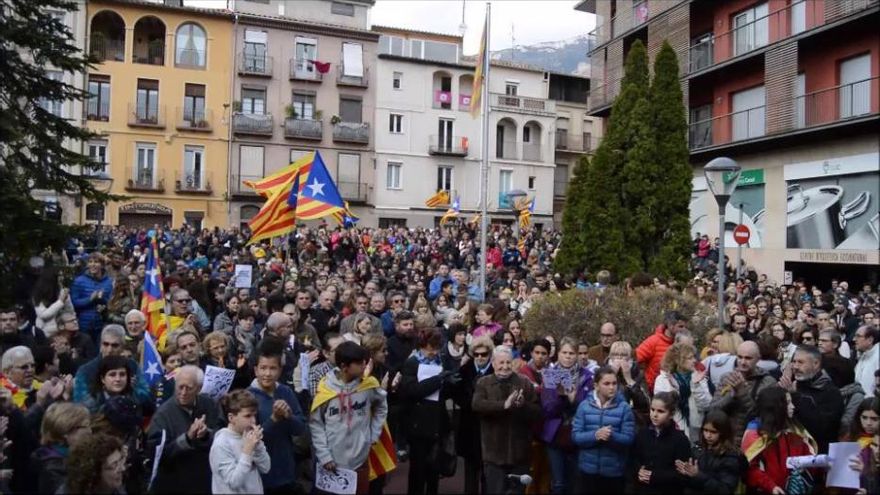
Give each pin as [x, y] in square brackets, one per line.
[477, 92]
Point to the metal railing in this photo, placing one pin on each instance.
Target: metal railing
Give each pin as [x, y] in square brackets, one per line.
[194, 119]
[532, 152]
[251, 65]
[360, 82]
[304, 129]
[825, 106]
[506, 149]
[238, 186]
[353, 191]
[582, 143]
[351, 132]
[145, 179]
[442, 99]
[140, 115]
[149, 53]
[97, 110]
[193, 182]
[524, 103]
[189, 57]
[299, 71]
[252, 123]
[104, 49]
[561, 139]
[448, 145]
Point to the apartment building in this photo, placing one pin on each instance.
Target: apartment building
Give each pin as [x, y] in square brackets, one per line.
[304, 80]
[158, 98]
[426, 138]
[789, 89]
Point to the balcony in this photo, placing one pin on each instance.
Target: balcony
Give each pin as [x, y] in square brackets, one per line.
[304, 129]
[150, 116]
[443, 100]
[152, 53]
[302, 70]
[352, 81]
[522, 104]
[356, 192]
[239, 189]
[506, 150]
[351, 132]
[749, 38]
[192, 183]
[448, 145]
[254, 66]
[194, 120]
[833, 105]
[98, 110]
[619, 24]
[105, 49]
[145, 180]
[252, 124]
[532, 152]
[573, 143]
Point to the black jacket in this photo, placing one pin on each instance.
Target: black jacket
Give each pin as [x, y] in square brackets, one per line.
[399, 350]
[719, 474]
[467, 436]
[818, 405]
[422, 419]
[658, 453]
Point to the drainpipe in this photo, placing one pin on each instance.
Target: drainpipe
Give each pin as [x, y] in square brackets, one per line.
[229, 107]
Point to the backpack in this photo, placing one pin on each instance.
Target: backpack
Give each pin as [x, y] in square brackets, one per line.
[799, 482]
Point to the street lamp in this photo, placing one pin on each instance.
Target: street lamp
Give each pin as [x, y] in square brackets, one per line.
[722, 175]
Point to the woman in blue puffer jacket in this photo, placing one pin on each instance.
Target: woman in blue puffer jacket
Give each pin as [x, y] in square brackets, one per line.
[603, 429]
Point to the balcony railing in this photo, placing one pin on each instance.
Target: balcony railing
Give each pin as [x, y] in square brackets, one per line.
[238, 187]
[106, 49]
[146, 179]
[448, 145]
[353, 191]
[195, 120]
[299, 71]
[98, 110]
[146, 115]
[252, 124]
[150, 53]
[442, 99]
[351, 132]
[523, 103]
[304, 129]
[795, 18]
[192, 182]
[606, 30]
[826, 106]
[532, 152]
[251, 65]
[506, 149]
[358, 82]
[561, 139]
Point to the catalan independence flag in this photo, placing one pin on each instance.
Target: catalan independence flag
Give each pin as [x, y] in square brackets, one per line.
[284, 176]
[318, 195]
[477, 90]
[525, 215]
[452, 212]
[439, 198]
[278, 215]
[153, 298]
[346, 218]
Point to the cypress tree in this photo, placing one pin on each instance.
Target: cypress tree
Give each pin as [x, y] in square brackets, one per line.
[670, 169]
[572, 254]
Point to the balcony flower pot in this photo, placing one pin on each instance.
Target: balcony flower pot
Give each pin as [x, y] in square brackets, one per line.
[335, 119]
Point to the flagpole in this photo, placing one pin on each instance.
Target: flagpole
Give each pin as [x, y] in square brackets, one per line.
[484, 165]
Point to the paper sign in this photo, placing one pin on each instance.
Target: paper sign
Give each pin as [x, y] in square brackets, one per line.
[552, 377]
[243, 276]
[840, 475]
[217, 381]
[429, 371]
[787, 277]
[807, 461]
[343, 481]
[156, 460]
[305, 369]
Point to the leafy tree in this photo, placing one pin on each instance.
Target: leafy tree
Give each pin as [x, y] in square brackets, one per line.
[572, 254]
[33, 141]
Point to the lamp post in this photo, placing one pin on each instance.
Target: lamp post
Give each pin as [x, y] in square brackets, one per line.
[722, 175]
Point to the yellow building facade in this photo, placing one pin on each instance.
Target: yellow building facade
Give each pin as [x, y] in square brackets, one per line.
[160, 100]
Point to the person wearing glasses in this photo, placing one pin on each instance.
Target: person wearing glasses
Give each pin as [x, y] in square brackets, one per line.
[467, 439]
[112, 342]
[398, 304]
[181, 315]
[81, 347]
[866, 345]
[607, 336]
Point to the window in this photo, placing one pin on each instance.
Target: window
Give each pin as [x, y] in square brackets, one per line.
[304, 106]
[396, 80]
[146, 164]
[250, 165]
[392, 176]
[193, 167]
[254, 59]
[352, 60]
[98, 154]
[444, 134]
[750, 29]
[700, 128]
[532, 180]
[147, 108]
[391, 45]
[416, 48]
[748, 113]
[253, 101]
[527, 134]
[510, 89]
[296, 154]
[350, 109]
[701, 51]
[99, 98]
[855, 86]
[505, 181]
[194, 219]
[560, 179]
[53, 106]
[191, 46]
[246, 213]
[194, 104]
[443, 52]
[387, 223]
[444, 178]
[95, 212]
[348, 177]
[395, 123]
[340, 8]
[306, 50]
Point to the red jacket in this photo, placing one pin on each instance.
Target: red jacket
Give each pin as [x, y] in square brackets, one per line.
[650, 353]
[768, 470]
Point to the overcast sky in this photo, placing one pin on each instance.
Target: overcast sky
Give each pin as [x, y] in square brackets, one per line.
[531, 21]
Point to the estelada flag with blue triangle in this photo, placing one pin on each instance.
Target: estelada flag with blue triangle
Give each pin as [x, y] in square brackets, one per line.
[346, 218]
[453, 210]
[153, 298]
[318, 195]
[151, 362]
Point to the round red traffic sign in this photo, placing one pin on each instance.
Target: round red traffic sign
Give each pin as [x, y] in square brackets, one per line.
[741, 234]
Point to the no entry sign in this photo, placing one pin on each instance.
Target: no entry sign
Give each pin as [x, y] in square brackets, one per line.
[741, 234]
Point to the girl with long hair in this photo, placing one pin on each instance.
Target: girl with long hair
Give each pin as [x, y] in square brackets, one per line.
[719, 465]
[658, 446]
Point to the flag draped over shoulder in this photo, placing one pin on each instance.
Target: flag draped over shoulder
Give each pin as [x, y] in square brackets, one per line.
[452, 212]
[153, 298]
[439, 198]
[477, 90]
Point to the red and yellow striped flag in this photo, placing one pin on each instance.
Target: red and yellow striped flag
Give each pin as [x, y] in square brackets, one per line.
[439, 198]
[382, 457]
[278, 216]
[477, 90]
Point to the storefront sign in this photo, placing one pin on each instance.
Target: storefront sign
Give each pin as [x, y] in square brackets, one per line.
[147, 208]
[751, 177]
[834, 257]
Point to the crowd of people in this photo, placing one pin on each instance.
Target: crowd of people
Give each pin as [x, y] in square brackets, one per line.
[342, 341]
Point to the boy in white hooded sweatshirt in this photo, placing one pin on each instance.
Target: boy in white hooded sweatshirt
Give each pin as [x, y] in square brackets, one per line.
[238, 454]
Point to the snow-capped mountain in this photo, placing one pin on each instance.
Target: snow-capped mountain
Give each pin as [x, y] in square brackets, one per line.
[564, 56]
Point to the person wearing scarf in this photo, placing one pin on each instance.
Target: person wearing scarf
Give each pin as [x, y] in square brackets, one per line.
[677, 374]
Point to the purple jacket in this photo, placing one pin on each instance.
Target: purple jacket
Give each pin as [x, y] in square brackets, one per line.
[557, 408]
